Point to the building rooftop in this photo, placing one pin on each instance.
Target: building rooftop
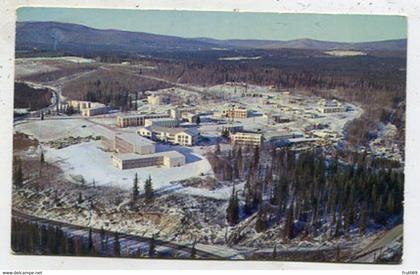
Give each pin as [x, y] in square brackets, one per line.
[142, 115]
[175, 130]
[134, 138]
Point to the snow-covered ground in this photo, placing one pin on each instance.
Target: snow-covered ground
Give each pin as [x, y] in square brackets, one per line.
[53, 129]
[89, 161]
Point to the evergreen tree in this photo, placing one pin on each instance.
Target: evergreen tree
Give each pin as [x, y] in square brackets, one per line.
[152, 247]
[274, 255]
[148, 191]
[217, 150]
[193, 250]
[79, 198]
[18, 174]
[42, 159]
[248, 197]
[135, 194]
[117, 247]
[261, 222]
[90, 242]
[232, 211]
[289, 225]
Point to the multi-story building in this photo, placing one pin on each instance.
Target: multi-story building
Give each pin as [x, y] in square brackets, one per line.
[162, 122]
[158, 99]
[182, 136]
[235, 112]
[246, 138]
[137, 119]
[182, 112]
[232, 128]
[130, 161]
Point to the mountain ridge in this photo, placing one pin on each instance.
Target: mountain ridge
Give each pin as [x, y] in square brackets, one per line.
[52, 35]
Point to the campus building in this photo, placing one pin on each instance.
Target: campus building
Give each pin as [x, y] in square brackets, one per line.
[132, 151]
[162, 122]
[88, 108]
[158, 99]
[332, 106]
[130, 160]
[246, 138]
[137, 119]
[181, 136]
[235, 112]
[129, 143]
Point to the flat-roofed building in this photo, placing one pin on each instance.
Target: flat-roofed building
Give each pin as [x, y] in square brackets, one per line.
[332, 106]
[79, 104]
[158, 99]
[129, 143]
[182, 136]
[131, 161]
[246, 138]
[236, 112]
[162, 122]
[94, 111]
[232, 128]
[137, 119]
[182, 112]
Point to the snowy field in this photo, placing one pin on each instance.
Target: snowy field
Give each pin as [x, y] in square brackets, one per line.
[89, 161]
[49, 130]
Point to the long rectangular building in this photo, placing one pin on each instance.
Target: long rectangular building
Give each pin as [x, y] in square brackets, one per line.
[182, 136]
[131, 161]
[137, 119]
[246, 138]
[129, 143]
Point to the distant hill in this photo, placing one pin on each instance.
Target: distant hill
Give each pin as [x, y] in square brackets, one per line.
[387, 45]
[54, 36]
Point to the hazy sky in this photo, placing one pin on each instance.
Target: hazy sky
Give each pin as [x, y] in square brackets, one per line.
[227, 25]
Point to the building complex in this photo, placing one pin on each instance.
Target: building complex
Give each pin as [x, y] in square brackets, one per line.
[132, 151]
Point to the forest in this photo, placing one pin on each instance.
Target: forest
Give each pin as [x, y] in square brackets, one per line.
[303, 191]
[31, 98]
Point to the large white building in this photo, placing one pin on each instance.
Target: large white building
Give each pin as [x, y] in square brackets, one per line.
[137, 119]
[129, 143]
[162, 122]
[132, 151]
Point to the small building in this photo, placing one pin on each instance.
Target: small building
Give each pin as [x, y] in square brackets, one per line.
[246, 138]
[162, 122]
[137, 119]
[131, 161]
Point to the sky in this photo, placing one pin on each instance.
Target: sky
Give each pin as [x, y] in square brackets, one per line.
[230, 25]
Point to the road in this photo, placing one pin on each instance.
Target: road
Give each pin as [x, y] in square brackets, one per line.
[379, 243]
[126, 240]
